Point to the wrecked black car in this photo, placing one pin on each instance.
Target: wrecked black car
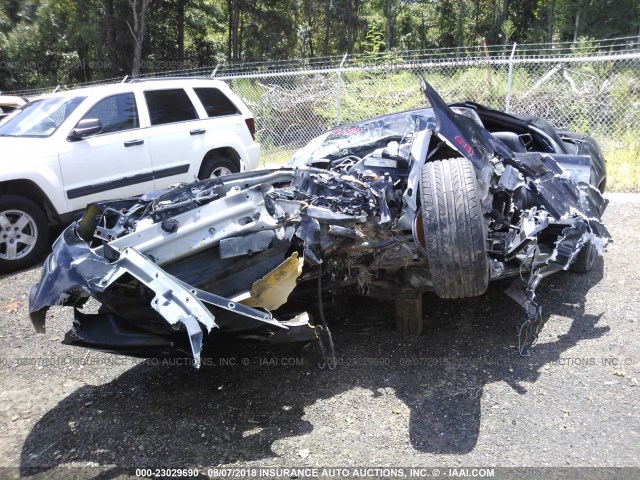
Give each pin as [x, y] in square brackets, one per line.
[529, 133]
[425, 200]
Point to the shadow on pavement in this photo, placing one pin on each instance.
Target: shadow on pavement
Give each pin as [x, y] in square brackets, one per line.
[155, 413]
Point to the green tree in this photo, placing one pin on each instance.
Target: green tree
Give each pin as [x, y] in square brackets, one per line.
[446, 25]
[45, 42]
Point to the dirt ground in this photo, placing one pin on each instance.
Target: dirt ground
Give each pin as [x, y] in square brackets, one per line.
[459, 395]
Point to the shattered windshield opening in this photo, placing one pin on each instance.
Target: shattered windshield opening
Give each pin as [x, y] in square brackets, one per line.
[353, 138]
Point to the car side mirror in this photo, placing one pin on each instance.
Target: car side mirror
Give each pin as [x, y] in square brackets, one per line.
[84, 128]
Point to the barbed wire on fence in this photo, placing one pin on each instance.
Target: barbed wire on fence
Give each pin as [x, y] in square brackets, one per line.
[592, 88]
[424, 57]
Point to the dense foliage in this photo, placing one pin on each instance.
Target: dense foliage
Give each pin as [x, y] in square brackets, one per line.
[44, 42]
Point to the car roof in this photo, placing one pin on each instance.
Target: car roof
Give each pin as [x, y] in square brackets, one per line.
[154, 84]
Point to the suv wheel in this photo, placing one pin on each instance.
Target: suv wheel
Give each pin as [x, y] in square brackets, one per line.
[217, 166]
[452, 222]
[24, 233]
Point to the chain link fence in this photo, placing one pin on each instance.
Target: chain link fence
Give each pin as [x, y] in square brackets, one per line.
[599, 95]
[592, 87]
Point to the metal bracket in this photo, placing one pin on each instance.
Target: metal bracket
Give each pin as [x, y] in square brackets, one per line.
[232, 306]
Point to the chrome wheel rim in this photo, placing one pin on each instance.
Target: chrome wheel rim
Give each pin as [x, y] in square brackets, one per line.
[18, 234]
[220, 172]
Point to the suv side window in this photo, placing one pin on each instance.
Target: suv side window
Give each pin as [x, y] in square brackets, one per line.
[169, 106]
[215, 102]
[116, 113]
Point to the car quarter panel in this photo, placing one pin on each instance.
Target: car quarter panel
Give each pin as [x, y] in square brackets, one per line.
[43, 170]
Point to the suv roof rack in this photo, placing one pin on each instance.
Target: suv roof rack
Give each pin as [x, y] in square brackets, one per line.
[149, 79]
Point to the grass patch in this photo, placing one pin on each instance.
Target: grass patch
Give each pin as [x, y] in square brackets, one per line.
[601, 100]
[275, 158]
[623, 166]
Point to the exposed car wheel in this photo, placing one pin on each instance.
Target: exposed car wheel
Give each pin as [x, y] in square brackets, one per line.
[452, 222]
[24, 233]
[603, 185]
[217, 166]
[585, 260]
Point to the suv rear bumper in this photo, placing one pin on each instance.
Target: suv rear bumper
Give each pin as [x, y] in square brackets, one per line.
[253, 157]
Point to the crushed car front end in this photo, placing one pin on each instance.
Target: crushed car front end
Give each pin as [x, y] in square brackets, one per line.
[426, 200]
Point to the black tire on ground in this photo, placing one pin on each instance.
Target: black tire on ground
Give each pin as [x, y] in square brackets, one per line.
[603, 185]
[585, 260]
[217, 166]
[24, 233]
[452, 222]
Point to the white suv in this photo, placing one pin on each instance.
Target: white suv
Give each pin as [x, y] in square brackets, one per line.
[66, 150]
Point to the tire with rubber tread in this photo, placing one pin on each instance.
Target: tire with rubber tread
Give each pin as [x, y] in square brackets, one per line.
[216, 162]
[454, 234]
[585, 260]
[21, 219]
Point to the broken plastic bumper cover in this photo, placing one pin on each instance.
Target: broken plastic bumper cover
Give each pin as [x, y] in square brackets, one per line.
[74, 271]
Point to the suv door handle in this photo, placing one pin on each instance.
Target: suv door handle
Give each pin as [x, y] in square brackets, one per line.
[199, 131]
[132, 143]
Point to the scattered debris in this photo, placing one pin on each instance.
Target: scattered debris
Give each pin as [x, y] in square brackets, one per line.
[304, 453]
[12, 307]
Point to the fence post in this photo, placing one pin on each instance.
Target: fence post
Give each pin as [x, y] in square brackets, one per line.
[339, 88]
[510, 78]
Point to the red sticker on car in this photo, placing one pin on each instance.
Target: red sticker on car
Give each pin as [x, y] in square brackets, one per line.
[339, 132]
[467, 148]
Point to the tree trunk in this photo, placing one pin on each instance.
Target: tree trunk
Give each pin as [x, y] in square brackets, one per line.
[505, 10]
[349, 26]
[389, 24]
[355, 11]
[327, 25]
[459, 28]
[577, 25]
[180, 18]
[234, 36]
[137, 31]
[111, 35]
[230, 28]
[312, 52]
[423, 38]
[476, 30]
[83, 42]
[552, 5]
[240, 37]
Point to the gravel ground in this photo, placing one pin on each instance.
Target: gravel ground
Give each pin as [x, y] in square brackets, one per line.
[459, 395]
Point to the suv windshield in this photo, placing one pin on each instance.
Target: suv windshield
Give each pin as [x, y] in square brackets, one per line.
[40, 118]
